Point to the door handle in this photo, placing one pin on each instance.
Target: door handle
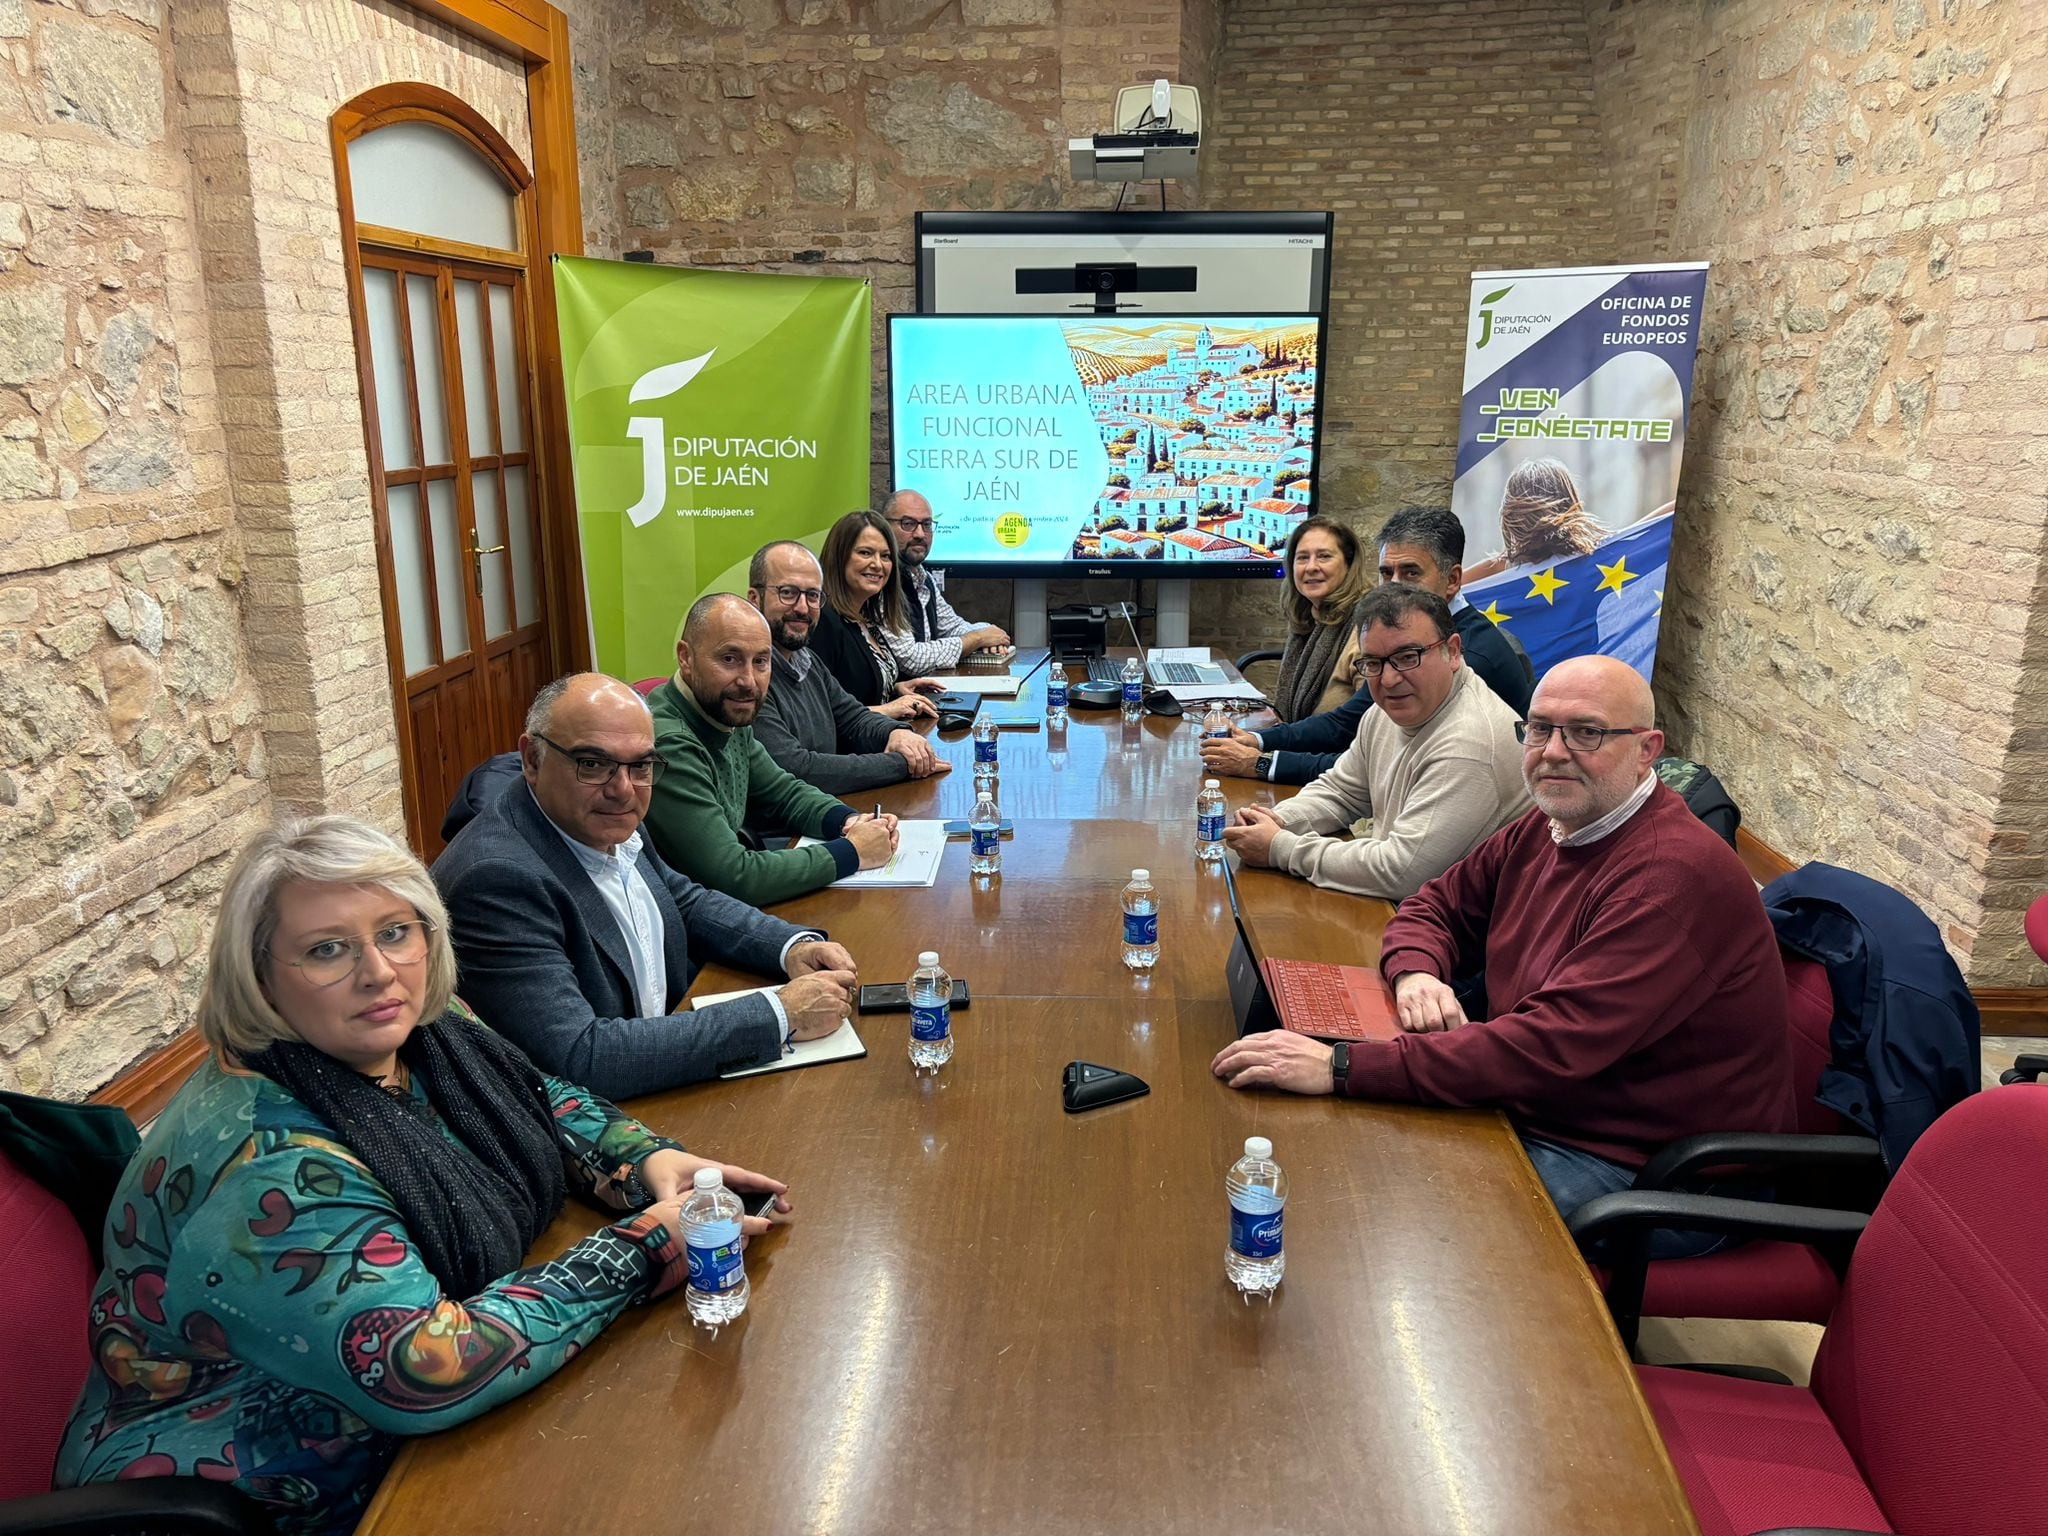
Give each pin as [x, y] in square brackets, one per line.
[487, 549]
[476, 559]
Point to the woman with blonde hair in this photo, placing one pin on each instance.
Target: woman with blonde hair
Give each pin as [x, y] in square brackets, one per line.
[318, 1247]
[1541, 521]
[1326, 576]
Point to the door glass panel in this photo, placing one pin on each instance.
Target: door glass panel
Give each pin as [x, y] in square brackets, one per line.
[417, 177]
[519, 525]
[449, 560]
[476, 386]
[490, 533]
[409, 576]
[426, 363]
[387, 365]
[505, 354]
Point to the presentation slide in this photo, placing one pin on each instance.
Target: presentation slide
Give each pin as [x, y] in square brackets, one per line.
[1041, 439]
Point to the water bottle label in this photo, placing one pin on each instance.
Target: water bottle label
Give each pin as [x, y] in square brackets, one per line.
[713, 1249]
[1256, 1234]
[1056, 696]
[982, 841]
[1134, 693]
[1141, 928]
[985, 751]
[932, 1022]
[1209, 829]
[1222, 735]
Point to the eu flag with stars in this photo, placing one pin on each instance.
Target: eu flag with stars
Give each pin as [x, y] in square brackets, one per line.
[1610, 601]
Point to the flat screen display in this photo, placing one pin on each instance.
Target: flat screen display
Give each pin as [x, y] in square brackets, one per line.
[1107, 444]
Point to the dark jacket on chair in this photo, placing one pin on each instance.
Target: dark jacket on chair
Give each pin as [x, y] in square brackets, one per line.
[540, 957]
[1905, 1036]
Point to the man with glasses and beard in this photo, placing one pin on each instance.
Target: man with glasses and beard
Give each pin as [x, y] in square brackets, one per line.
[808, 723]
[575, 940]
[1633, 984]
[939, 636]
[1436, 766]
[719, 781]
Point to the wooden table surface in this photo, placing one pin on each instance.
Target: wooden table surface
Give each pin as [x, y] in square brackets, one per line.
[990, 1315]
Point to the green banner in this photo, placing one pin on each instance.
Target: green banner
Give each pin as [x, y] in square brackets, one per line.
[709, 412]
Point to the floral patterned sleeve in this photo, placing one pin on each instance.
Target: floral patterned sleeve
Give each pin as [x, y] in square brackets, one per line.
[602, 1145]
[297, 1262]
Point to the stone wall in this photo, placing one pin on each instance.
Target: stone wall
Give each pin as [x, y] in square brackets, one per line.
[188, 600]
[1856, 584]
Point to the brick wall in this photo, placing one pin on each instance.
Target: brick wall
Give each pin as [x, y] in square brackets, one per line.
[1856, 591]
[188, 601]
[1448, 138]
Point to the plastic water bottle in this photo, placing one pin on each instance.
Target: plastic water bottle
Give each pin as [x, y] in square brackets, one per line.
[711, 1241]
[1215, 722]
[984, 835]
[1257, 1188]
[1056, 696]
[1209, 823]
[984, 753]
[1134, 688]
[1141, 922]
[931, 1014]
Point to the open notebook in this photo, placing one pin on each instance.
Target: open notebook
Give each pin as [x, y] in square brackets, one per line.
[843, 1044]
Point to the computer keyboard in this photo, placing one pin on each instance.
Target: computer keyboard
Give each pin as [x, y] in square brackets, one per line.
[1161, 674]
[1312, 997]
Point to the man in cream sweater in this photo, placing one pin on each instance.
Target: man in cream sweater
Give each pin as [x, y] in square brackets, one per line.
[1436, 766]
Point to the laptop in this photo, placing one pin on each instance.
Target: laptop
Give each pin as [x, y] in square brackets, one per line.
[1311, 997]
[1160, 674]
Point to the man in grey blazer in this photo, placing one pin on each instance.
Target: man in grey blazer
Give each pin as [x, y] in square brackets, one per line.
[574, 940]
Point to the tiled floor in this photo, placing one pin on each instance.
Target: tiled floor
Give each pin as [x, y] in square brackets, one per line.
[1783, 1347]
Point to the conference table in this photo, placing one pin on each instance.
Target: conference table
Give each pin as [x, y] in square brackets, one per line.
[990, 1315]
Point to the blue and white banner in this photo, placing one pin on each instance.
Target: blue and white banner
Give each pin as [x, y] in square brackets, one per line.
[1577, 383]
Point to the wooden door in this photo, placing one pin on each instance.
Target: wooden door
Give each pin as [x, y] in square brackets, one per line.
[444, 340]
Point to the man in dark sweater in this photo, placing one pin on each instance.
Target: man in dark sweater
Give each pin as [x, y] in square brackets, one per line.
[809, 724]
[1635, 984]
[1419, 547]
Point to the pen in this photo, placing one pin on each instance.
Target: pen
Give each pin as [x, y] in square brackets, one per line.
[878, 810]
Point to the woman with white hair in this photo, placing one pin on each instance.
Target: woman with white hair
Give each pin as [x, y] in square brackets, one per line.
[317, 1248]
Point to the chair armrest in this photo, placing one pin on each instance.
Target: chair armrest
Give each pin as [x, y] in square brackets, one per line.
[1688, 1156]
[1251, 656]
[2025, 1069]
[158, 1506]
[1623, 1224]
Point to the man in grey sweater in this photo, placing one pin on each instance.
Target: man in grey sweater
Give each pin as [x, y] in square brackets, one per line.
[1437, 766]
[810, 725]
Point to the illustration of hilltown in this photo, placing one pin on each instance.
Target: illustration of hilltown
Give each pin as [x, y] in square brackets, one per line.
[1210, 432]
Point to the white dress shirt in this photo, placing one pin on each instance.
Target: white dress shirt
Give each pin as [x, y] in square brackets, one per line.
[1593, 831]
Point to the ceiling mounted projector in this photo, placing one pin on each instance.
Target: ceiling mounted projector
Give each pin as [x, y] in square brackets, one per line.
[1157, 135]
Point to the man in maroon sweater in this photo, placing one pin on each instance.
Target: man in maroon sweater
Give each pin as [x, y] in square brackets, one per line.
[1635, 983]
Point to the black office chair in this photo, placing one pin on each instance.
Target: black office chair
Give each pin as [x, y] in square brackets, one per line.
[1521, 655]
[1250, 657]
[2025, 1069]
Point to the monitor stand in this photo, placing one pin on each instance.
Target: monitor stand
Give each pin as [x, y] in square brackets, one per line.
[1169, 623]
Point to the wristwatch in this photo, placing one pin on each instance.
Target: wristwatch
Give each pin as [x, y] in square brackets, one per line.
[1340, 1065]
[1264, 766]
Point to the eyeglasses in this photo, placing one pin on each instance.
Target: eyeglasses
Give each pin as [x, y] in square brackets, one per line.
[1577, 737]
[1407, 659]
[332, 961]
[596, 768]
[911, 525]
[790, 597]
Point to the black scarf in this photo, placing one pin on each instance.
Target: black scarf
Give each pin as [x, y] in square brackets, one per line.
[472, 1210]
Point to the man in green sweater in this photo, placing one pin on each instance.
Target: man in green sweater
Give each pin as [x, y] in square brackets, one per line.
[719, 779]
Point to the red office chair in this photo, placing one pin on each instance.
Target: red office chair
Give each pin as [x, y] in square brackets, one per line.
[2032, 1067]
[1927, 1405]
[46, 1274]
[647, 685]
[1827, 1162]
